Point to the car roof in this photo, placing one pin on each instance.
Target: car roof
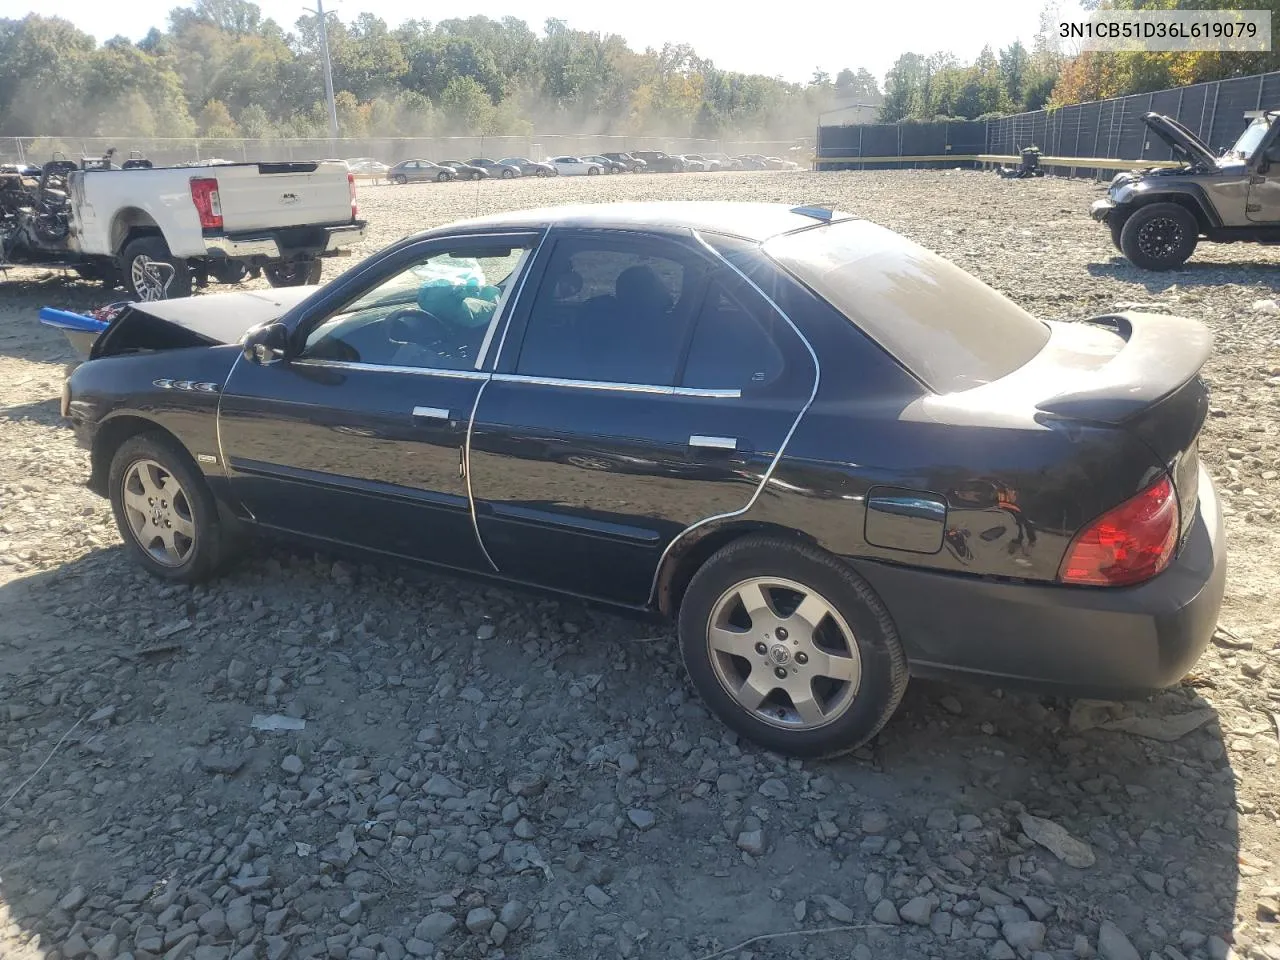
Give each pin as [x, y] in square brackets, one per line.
[753, 221]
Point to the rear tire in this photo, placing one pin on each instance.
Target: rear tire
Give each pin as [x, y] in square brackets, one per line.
[823, 698]
[228, 271]
[1159, 236]
[165, 512]
[593, 171]
[298, 273]
[152, 273]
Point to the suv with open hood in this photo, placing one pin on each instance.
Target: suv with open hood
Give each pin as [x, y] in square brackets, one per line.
[1158, 215]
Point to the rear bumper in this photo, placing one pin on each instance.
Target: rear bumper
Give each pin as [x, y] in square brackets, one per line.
[1101, 209]
[292, 242]
[1076, 641]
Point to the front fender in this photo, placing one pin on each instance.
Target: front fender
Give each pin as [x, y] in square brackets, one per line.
[1129, 196]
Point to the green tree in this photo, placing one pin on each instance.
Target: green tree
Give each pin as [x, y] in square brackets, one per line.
[216, 122]
[466, 106]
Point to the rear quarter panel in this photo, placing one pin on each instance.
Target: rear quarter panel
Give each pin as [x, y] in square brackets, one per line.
[100, 198]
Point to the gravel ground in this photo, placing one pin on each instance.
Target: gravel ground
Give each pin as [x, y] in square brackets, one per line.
[485, 773]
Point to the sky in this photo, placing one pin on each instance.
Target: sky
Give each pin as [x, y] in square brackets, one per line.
[788, 40]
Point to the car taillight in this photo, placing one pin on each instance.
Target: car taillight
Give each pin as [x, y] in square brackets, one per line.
[1127, 545]
[351, 188]
[204, 194]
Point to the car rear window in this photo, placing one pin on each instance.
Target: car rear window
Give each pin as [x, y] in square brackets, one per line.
[945, 326]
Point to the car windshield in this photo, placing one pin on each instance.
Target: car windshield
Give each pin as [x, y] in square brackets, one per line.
[1244, 148]
[945, 326]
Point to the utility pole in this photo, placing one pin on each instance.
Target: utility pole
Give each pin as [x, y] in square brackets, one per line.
[328, 74]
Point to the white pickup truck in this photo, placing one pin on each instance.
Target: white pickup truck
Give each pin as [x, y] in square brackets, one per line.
[160, 230]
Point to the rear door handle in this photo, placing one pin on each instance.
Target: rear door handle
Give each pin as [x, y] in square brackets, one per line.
[713, 443]
[431, 413]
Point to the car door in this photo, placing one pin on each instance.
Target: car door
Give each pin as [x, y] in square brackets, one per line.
[630, 401]
[357, 436]
[1263, 205]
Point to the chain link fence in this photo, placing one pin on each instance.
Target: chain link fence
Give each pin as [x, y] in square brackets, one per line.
[1103, 129]
[389, 150]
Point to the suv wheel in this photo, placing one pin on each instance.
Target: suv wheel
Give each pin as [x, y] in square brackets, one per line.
[791, 648]
[1159, 236]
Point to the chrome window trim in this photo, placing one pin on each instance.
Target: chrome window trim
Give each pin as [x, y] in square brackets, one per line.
[777, 457]
[612, 387]
[526, 260]
[388, 368]
[502, 341]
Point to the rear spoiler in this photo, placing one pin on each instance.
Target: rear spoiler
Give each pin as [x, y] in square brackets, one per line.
[1161, 354]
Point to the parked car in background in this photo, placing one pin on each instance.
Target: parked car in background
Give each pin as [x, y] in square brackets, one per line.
[632, 163]
[576, 166]
[660, 162]
[497, 168]
[609, 166]
[367, 167]
[467, 171]
[611, 431]
[724, 161]
[530, 168]
[751, 161]
[697, 162]
[414, 171]
[777, 163]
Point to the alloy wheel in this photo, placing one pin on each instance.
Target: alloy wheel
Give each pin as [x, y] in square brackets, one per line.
[151, 278]
[159, 513]
[784, 653]
[1160, 237]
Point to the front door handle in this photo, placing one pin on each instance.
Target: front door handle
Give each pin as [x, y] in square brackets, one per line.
[713, 443]
[431, 413]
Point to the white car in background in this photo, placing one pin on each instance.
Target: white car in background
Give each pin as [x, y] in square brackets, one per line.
[575, 166]
[367, 167]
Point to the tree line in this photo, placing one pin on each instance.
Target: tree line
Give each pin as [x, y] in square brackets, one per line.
[220, 69]
[1052, 74]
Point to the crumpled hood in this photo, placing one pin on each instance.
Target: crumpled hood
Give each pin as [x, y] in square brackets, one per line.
[224, 317]
[204, 321]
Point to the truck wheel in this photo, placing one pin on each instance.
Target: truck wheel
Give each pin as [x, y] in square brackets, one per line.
[298, 273]
[228, 271]
[151, 272]
[1159, 236]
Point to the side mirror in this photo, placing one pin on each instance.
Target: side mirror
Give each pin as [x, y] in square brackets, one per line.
[266, 344]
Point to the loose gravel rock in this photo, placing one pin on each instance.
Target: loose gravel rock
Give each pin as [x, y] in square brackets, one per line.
[485, 773]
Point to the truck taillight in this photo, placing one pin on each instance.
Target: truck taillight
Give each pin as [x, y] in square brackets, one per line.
[1129, 544]
[351, 186]
[204, 194]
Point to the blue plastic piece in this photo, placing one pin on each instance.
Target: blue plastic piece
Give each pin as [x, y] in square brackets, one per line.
[66, 320]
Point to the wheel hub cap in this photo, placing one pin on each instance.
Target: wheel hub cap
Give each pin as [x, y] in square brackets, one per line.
[784, 653]
[158, 513]
[151, 278]
[1160, 237]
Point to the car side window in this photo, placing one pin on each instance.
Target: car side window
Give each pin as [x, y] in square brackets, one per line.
[434, 313]
[735, 341]
[613, 311]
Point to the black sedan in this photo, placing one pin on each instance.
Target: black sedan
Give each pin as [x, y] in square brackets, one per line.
[631, 163]
[609, 165]
[466, 171]
[413, 171]
[834, 459]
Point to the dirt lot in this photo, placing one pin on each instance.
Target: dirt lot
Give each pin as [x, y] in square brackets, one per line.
[485, 773]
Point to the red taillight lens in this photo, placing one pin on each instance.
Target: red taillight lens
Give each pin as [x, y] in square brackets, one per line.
[351, 186]
[204, 194]
[1129, 544]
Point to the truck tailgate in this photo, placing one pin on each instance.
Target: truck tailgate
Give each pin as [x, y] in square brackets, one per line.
[256, 196]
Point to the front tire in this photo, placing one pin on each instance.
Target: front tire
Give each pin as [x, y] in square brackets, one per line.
[508, 174]
[791, 648]
[152, 273]
[297, 273]
[165, 513]
[1159, 236]
[400, 179]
